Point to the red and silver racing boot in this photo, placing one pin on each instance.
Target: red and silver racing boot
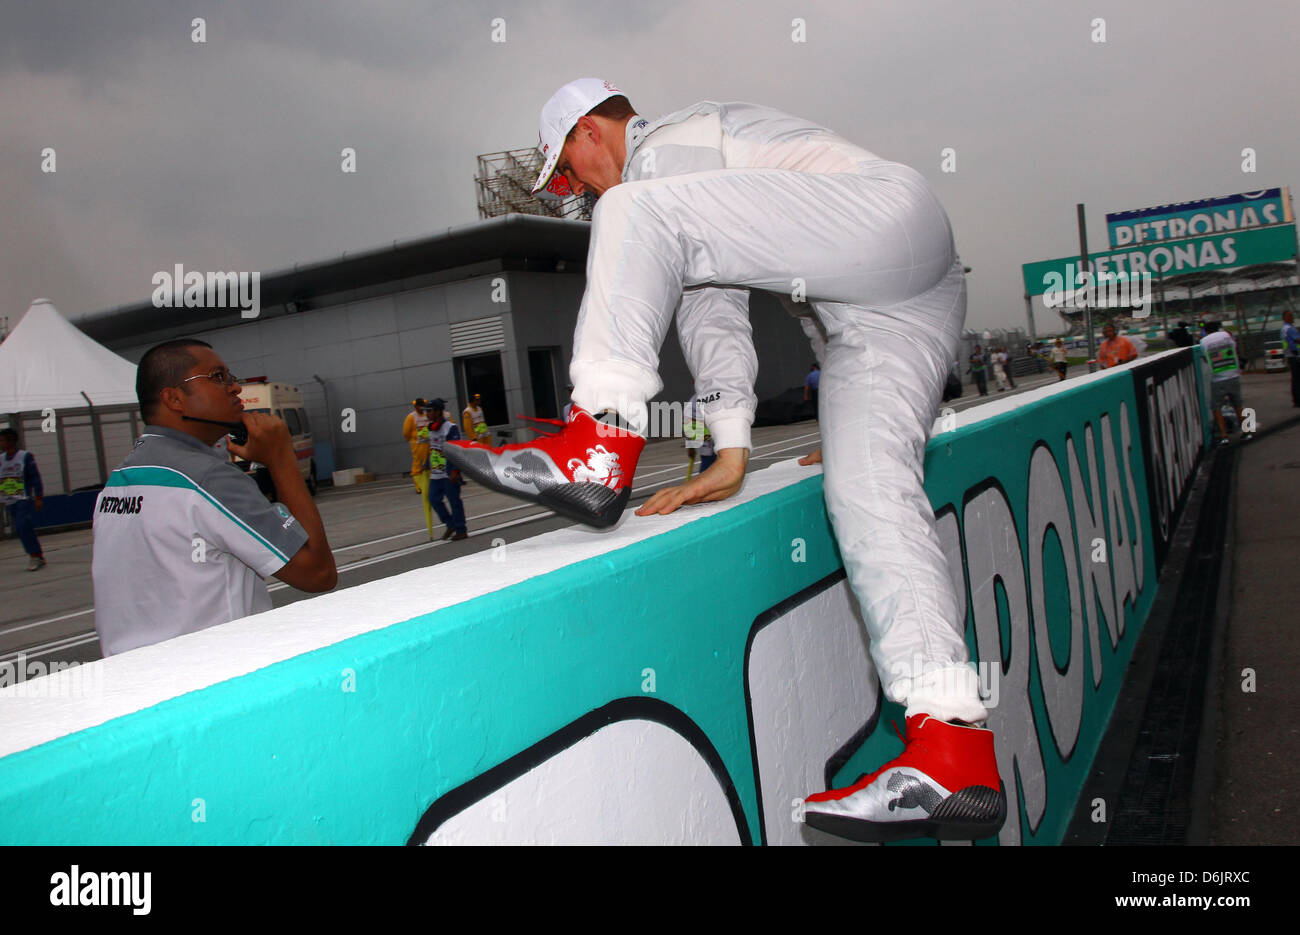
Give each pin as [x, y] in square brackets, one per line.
[945, 785]
[584, 471]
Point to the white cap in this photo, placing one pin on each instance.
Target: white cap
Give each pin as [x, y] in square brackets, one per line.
[559, 115]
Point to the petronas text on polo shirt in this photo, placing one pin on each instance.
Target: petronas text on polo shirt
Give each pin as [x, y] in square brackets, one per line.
[121, 504]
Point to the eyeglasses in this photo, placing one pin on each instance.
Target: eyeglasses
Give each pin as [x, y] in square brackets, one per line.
[221, 375]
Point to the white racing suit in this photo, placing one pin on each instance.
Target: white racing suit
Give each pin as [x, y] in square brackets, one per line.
[718, 199]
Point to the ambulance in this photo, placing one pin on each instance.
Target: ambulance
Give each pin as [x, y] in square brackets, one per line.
[284, 401]
[1274, 356]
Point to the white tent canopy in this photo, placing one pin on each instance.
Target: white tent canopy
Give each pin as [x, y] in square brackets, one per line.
[47, 363]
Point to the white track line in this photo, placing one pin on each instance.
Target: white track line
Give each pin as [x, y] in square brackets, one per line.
[411, 550]
[42, 623]
[68, 642]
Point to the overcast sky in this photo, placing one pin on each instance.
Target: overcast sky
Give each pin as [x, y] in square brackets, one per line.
[225, 155]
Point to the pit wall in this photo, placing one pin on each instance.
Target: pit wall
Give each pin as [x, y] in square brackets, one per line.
[677, 679]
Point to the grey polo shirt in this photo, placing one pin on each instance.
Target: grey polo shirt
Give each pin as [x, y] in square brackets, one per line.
[182, 541]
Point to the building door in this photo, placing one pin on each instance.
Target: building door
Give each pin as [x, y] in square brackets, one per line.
[543, 364]
[482, 374]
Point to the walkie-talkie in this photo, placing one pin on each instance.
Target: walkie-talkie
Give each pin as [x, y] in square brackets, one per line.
[237, 431]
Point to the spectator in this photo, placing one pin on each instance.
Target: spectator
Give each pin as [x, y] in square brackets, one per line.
[416, 432]
[474, 422]
[976, 370]
[1000, 368]
[699, 440]
[1291, 350]
[1115, 349]
[183, 537]
[444, 484]
[1180, 336]
[22, 492]
[1225, 382]
[1060, 360]
[810, 385]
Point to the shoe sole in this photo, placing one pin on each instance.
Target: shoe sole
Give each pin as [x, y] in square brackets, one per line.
[963, 816]
[592, 505]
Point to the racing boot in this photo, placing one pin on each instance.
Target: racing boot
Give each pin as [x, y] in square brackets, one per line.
[945, 785]
[583, 471]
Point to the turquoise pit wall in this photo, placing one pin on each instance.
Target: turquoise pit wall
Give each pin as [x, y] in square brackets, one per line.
[438, 721]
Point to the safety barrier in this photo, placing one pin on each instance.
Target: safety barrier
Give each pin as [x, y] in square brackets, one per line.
[677, 679]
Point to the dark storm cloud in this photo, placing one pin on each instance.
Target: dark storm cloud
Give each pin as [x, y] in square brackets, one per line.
[227, 154]
[95, 37]
[90, 37]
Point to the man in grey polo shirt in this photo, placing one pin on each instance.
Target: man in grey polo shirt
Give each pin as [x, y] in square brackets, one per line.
[182, 537]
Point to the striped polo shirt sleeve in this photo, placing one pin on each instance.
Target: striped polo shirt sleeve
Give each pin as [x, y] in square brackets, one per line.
[238, 519]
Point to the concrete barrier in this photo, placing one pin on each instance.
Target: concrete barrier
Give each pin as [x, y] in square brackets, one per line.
[677, 679]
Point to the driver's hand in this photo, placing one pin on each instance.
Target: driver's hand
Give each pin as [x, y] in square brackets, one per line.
[723, 479]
